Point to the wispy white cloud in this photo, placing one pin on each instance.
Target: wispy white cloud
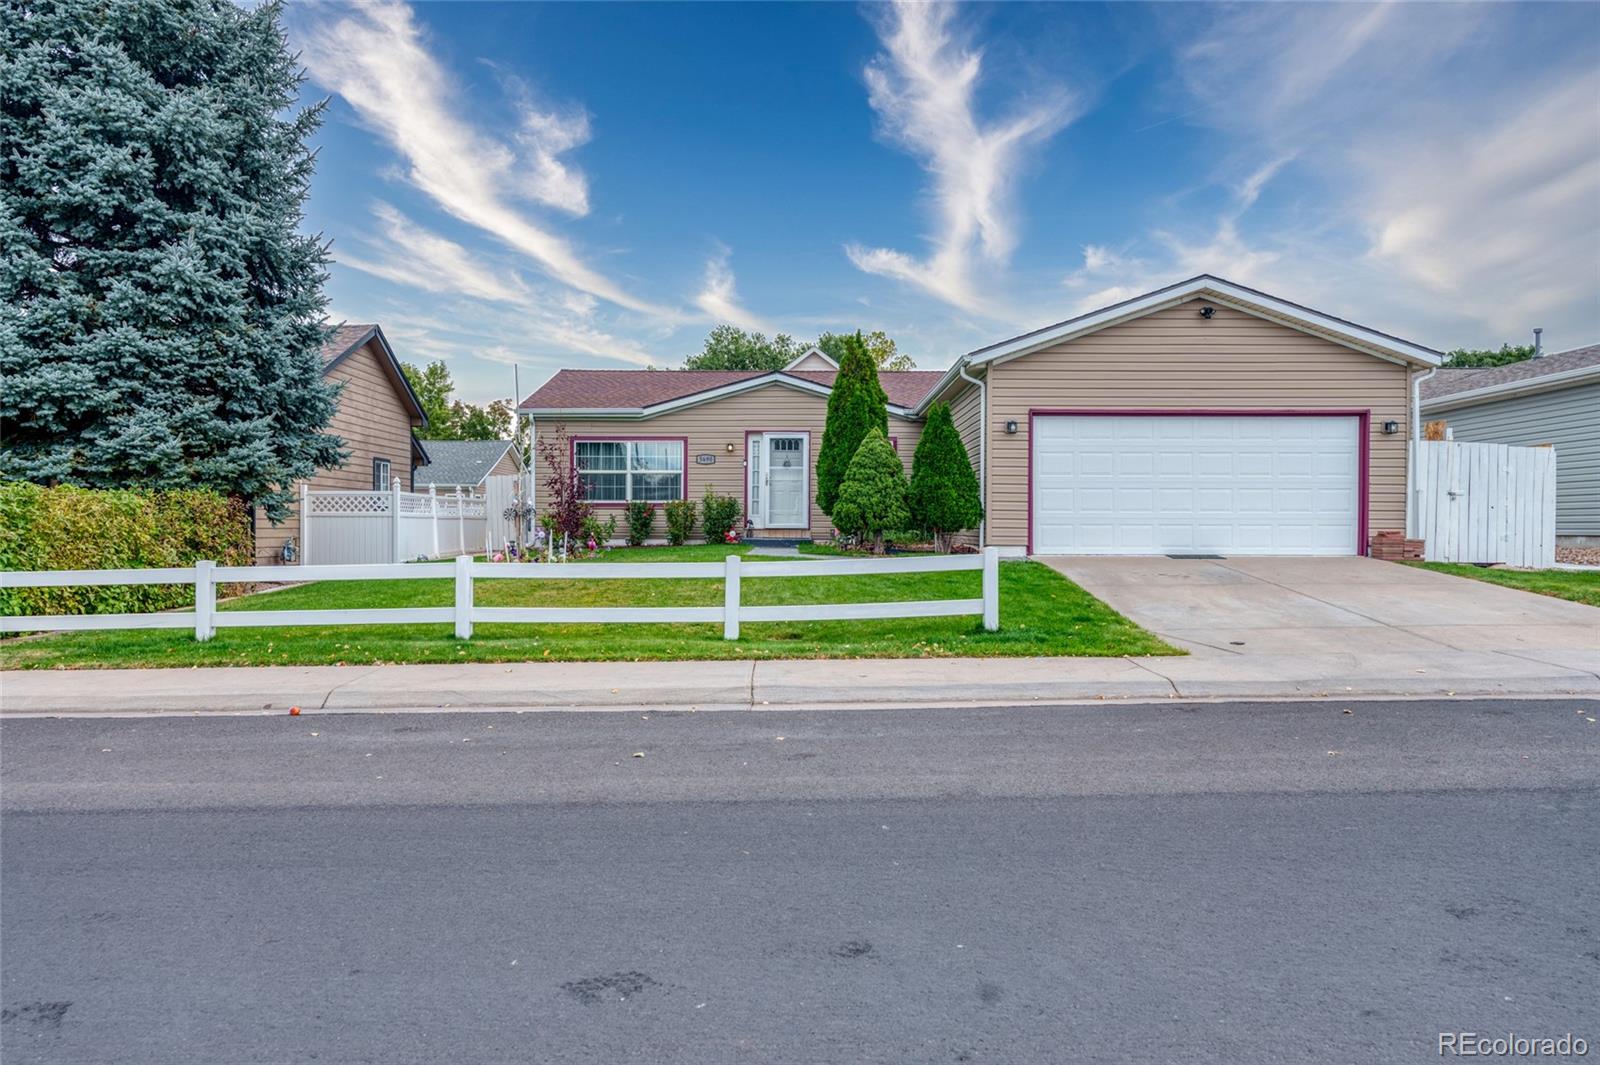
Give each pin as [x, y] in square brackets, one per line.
[545, 136]
[1506, 217]
[923, 87]
[527, 319]
[408, 254]
[375, 57]
[718, 298]
[1432, 196]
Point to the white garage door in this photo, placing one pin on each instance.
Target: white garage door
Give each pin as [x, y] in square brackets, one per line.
[1175, 484]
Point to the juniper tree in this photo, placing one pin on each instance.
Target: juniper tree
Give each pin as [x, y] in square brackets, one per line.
[160, 310]
[944, 496]
[856, 406]
[872, 497]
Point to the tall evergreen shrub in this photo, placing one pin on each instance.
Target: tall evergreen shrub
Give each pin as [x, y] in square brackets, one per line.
[856, 406]
[944, 495]
[872, 498]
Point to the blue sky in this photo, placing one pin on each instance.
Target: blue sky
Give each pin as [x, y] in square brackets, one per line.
[555, 185]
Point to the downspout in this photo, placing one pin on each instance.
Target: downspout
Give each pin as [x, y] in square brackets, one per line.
[1414, 492]
[983, 446]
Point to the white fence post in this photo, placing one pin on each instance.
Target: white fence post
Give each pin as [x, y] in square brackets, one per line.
[991, 589]
[730, 597]
[463, 597]
[305, 522]
[461, 524]
[205, 599]
[433, 518]
[394, 522]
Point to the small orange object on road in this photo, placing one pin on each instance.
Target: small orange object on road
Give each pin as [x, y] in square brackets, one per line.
[294, 711]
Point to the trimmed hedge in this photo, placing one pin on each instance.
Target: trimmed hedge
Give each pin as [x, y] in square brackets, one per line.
[81, 528]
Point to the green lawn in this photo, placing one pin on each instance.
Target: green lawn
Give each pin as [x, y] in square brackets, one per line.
[1581, 586]
[1041, 613]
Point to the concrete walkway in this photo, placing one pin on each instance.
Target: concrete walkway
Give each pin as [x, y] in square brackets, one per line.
[792, 684]
[1268, 628]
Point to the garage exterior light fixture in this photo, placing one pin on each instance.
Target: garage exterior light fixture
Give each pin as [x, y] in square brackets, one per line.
[1391, 427]
[1011, 427]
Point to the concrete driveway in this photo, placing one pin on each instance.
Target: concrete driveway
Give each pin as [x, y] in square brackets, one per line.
[1278, 606]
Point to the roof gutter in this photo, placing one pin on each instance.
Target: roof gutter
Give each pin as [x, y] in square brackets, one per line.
[1416, 401]
[983, 445]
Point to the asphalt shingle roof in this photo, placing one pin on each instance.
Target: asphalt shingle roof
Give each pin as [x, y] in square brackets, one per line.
[635, 389]
[345, 337]
[1451, 382]
[463, 462]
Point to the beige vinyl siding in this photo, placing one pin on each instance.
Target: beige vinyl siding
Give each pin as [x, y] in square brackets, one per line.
[1174, 359]
[507, 466]
[813, 361]
[966, 410]
[373, 422]
[710, 428]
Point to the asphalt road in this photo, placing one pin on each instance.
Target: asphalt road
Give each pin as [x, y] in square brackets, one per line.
[1189, 883]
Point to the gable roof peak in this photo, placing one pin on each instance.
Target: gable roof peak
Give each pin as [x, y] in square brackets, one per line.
[812, 352]
[1239, 297]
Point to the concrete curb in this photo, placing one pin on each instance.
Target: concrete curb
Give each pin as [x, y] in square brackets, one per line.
[793, 683]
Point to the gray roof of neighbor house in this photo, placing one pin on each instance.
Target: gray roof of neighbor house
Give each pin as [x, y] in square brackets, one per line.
[1448, 382]
[465, 462]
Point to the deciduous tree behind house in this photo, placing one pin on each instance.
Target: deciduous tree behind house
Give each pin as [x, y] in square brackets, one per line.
[880, 346]
[450, 418]
[161, 312]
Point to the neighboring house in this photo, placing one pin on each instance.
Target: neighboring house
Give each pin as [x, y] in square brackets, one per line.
[465, 464]
[1552, 399]
[1202, 417]
[377, 413]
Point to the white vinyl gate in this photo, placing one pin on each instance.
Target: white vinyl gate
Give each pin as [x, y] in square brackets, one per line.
[500, 492]
[1483, 502]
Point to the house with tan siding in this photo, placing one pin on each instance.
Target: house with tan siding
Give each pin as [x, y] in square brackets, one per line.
[1204, 417]
[376, 419]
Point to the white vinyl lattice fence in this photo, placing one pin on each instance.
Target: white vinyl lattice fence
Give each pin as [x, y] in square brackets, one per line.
[1483, 502]
[361, 528]
[205, 619]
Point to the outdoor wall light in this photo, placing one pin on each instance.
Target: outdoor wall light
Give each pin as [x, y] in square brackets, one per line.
[1207, 312]
[730, 449]
[1011, 427]
[1391, 427]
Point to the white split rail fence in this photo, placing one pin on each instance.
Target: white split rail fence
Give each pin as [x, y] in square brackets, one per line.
[205, 619]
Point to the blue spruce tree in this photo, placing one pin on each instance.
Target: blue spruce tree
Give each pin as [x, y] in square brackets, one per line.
[161, 312]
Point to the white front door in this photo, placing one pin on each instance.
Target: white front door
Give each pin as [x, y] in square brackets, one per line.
[779, 480]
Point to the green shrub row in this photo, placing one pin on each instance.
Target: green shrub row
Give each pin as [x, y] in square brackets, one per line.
[80, 528]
